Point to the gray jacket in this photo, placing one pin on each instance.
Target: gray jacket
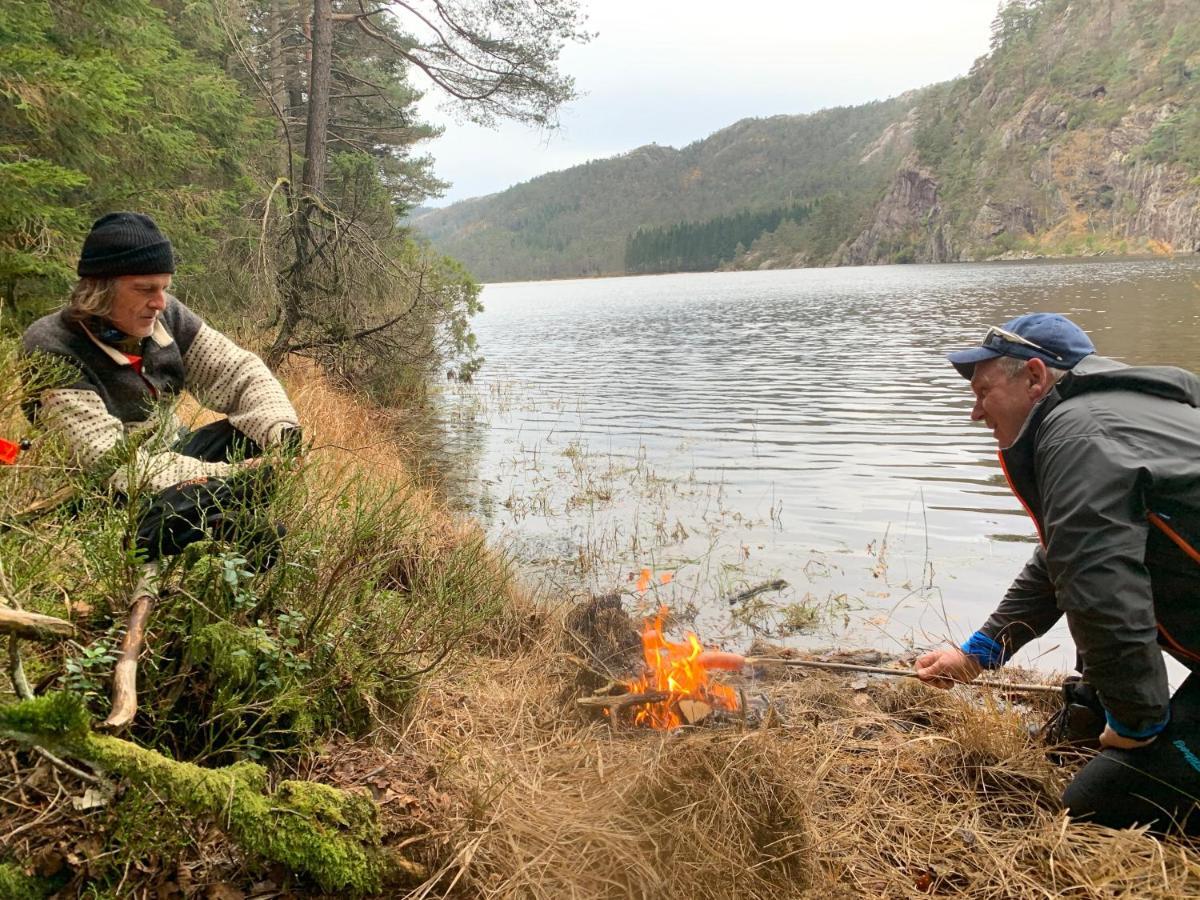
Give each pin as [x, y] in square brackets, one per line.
[108, 403]
[1108, 466]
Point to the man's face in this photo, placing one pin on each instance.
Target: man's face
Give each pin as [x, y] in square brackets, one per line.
[137, 302]
[1003, 402]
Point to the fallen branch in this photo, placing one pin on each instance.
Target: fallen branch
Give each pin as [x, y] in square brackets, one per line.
[332, 836]
[124, 693]
[33, 626]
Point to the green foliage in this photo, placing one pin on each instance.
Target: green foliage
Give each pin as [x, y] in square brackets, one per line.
[241, 664]
[16, 885]
[1176, 139]
[703, 246]
[86, 672]
[102, 106]
[1014, 22]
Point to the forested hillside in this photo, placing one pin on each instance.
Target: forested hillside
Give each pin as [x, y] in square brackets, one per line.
[576, 222]
[1077, 133]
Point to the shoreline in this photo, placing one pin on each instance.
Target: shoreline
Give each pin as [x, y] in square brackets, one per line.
[1014, 260]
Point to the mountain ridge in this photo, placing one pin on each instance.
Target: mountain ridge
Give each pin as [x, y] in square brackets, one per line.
[1077, 134]
[576, 221]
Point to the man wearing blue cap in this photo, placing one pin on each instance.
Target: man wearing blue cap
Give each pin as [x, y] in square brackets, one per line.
[1106, 459]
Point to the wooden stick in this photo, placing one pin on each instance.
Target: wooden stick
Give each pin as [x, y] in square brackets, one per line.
[777, 585]
[620, 701]
[899, 673]
[124, 705]
[33, 626]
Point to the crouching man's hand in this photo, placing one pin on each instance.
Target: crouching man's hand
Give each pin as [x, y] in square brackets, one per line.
[947, 667]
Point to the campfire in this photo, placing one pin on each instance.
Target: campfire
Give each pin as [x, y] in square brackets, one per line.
[675, 688]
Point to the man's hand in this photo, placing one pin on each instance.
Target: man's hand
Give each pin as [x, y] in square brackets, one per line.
[947, 667]
[1109, 739]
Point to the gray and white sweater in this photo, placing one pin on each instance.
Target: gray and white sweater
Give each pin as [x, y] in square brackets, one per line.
[109, 400]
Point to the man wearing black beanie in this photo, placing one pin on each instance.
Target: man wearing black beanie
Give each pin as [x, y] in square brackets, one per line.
[132, 348]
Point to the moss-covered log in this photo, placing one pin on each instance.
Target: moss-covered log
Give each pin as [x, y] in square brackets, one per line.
[329, 835]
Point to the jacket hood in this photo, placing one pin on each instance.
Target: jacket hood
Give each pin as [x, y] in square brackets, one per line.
[1099, 373]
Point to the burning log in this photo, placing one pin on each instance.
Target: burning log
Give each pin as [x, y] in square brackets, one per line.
[675, 688]
[618, 702]
[694, 711]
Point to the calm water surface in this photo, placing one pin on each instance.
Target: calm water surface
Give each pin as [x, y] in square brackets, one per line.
[734, 428]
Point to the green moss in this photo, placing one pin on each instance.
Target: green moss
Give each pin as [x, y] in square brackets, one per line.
[294, 713]
[16, 885]
[330, 835]
[230, 653]
[61, 715]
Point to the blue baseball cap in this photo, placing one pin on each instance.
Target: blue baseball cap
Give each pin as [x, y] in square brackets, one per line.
[1054, 339]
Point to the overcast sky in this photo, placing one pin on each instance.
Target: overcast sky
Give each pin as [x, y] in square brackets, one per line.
[674, 71]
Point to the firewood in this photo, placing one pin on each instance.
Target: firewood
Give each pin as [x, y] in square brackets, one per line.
[694, 711]
[620, 702]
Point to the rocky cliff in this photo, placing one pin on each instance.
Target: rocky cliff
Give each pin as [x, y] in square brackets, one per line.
[1075, 136]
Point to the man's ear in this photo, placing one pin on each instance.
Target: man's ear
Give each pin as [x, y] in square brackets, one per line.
[1040, 379]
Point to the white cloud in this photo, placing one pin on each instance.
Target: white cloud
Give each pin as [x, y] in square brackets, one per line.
[672, 72]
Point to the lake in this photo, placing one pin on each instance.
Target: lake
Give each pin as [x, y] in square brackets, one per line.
[728, 429]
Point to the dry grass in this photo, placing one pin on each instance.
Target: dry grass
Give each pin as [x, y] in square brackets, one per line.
[891, 792]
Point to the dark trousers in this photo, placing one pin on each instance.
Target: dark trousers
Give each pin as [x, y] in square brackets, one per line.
[234, 508]
[1157, 785]
[218, 441]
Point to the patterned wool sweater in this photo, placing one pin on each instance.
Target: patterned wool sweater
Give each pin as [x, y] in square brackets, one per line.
[108, 400]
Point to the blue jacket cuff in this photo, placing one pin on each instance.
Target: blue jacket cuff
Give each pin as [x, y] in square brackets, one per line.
[989, 652]
[1132, 734]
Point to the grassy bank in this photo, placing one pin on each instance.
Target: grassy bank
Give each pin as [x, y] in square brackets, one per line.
[392, 655]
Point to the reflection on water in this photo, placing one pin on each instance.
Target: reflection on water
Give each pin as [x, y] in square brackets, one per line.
[780, 418]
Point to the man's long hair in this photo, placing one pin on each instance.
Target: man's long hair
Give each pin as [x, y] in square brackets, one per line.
[91, 297]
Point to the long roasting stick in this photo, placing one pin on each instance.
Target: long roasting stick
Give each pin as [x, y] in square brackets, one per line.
[716, 659]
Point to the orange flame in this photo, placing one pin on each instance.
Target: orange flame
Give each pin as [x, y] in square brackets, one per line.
[674, 669]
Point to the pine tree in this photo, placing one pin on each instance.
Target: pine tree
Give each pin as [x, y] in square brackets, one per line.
[102, 107]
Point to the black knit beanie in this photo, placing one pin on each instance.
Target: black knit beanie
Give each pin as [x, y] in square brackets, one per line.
[125, 243]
